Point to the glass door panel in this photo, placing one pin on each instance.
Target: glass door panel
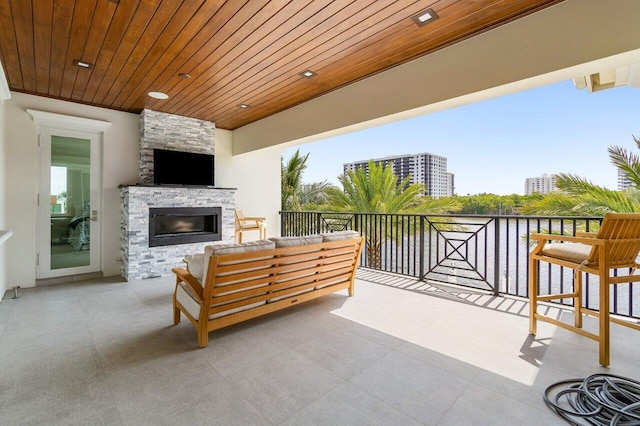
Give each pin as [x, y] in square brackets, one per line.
[69, 203]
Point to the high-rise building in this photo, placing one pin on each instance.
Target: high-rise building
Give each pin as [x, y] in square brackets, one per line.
[427, 169]
[541, 185]
[451, 187]
[623, 181]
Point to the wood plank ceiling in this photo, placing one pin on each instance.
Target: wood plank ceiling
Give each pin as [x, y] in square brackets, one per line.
[236, 52]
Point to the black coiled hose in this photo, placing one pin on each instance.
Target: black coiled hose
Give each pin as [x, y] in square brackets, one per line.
[600, 399]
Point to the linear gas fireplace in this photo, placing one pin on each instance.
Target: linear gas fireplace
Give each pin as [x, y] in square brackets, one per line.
[183, 225]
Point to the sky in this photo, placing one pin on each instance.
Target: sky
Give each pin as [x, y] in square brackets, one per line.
[494, 145]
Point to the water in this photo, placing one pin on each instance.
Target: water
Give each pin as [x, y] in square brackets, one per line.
[464, 253]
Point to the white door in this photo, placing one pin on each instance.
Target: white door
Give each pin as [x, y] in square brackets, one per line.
[69, 203]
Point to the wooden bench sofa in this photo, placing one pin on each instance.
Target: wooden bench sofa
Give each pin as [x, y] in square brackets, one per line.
[233, 283]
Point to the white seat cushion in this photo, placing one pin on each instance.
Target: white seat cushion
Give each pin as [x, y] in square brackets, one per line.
[188, 300]
[572, 252]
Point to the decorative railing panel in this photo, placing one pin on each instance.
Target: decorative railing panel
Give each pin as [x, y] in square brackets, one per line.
[481, 252]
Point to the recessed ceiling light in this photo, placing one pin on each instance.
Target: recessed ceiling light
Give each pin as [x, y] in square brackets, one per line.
[158, 95]
[425, 17]
[244, 106]
[82, 64]
[184, 75]
[308, 74]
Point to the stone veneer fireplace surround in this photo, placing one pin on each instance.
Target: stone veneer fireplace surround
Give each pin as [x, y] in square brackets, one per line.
[139, 261]
[168, 131]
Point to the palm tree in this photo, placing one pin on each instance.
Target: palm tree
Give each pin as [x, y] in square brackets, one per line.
[377, 191]
[292, 180]
[580, 197]
[311, 195]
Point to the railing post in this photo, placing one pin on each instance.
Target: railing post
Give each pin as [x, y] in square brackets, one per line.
[421, 262]
[282, 222]
[318, 222]
[496, 259]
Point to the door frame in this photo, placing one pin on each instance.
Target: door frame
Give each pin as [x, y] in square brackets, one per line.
[49, 124]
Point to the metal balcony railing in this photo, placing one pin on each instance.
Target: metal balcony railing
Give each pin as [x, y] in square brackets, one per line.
[485, 252]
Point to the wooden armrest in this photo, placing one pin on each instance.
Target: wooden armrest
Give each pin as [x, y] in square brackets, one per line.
[254, 218]
[185, 277]
[587, 234]
[567, 238]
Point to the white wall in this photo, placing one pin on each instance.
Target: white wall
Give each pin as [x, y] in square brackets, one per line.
[120, 164]
[256, 176]
[4, 273]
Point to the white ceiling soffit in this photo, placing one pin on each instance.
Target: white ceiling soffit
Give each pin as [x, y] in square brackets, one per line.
[4, 86]
[628, 75]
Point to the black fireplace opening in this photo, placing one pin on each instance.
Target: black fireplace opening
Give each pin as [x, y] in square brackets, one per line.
[184, 225]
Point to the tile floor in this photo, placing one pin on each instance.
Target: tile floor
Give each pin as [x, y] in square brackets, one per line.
[105, 352]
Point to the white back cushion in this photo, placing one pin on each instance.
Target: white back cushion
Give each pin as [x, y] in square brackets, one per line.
[251, 246]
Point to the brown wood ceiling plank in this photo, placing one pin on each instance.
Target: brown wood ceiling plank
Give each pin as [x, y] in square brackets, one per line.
[176, 85]
[157, 24]
[279, 31]
[175, 27]
[42, 22]
[113, 52]
[372, 54]
[284, 71]
[239, 36]
[9, 47]
[23, 23]
[82, 15]
[248, 51]
[194, 28]
[480, 22]
[380, 61]
[221, 28]
[282, 62]
[62, 19]
[101, 20]
[122, 17]
[460, 24]
[307, 36]
[197, 34]
[328, 50]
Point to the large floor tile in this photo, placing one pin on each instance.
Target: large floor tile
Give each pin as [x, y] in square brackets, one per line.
[343, 352]
[230, 353]
[210, 404]
[284, 384]
[419, 390]
[146, 387]
[480, 406]
[106, 352]
[349, 405]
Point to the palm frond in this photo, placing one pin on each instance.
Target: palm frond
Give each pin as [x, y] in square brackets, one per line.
[627, 162]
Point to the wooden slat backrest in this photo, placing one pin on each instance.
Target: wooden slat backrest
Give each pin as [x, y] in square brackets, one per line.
[622, 232]
[236, 280]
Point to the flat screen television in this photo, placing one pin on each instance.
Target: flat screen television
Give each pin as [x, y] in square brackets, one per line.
[182, 168]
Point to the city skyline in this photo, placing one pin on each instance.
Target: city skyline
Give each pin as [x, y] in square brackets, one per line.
[492, 146]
